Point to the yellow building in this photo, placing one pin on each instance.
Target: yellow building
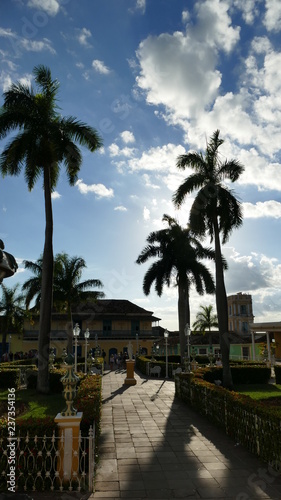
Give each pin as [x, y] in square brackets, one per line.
[112, 323]
[240, 313]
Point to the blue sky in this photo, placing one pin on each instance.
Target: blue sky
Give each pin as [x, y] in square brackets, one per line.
[155, 78]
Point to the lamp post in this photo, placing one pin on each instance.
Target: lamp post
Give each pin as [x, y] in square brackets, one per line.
[86, 335]
[137, 341]
[76, 332]
[187, 332]
[166, 336]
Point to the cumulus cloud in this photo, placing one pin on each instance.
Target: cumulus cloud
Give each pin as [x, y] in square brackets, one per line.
[98, 189]
[146, 214]
[56, 195]
[166, 61]
[272, 18]
[141, 5]
[51, 7]
[83, 36]
[127, 136]
[37, 45]
[260, 209]
[100, 67]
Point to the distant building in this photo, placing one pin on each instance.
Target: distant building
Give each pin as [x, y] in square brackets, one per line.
[112, 324]
[240, 313]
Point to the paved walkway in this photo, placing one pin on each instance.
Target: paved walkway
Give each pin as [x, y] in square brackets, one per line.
[154, 446]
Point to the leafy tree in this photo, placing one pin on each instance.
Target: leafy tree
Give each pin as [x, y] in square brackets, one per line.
[205, 320]
[215, 210]
[32, 287]
[12, 312]
[179, 254]
[44, 141]
[69, 291]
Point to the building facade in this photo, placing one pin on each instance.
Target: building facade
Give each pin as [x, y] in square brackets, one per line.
[240, 313]
[112, 324]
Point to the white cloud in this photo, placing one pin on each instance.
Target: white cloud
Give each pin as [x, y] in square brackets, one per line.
[148, 182]
[127, 136]
[83, 35]
[159, 159]
[36, 45]
[114, 150]
[51, 7]
[146, 214]
[141, 5]
[100, 67]
[99, 189]
[56, 195]
[249, 9]
[272, 17]
[269, 208]
[5, 81]
[121, 208]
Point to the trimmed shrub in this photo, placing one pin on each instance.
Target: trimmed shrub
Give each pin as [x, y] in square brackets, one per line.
[89, 401]
[10, 378]
[240, 374]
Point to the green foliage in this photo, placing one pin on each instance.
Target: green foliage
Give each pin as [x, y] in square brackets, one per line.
[240, 374]
[89, 401]
[254, 425]
[10, 378]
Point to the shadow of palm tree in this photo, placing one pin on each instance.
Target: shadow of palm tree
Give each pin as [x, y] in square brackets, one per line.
[155, 446]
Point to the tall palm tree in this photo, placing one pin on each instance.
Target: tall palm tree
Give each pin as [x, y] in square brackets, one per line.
[205, 320]
[215, 210]
[179, 254]
[69, 291]
[11, 309]
[32, 287]
[44, 141]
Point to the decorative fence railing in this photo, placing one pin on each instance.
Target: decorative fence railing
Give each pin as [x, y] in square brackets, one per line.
[39, 463]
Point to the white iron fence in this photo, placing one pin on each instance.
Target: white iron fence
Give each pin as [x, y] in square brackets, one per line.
[39, 463]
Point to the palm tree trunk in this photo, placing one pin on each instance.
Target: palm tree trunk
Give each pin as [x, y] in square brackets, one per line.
[183, 313]
[221, 302]
[46, 292]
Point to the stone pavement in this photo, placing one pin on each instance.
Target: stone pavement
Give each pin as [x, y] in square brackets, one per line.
[154, 446]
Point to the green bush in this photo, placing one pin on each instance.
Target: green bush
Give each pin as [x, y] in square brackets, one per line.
[89, 401]
[10, 378]
[277, 370]
[240, 374]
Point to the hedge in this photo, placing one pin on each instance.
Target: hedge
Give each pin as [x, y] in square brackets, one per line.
[10, 378]
[240, 374]
[252, 424]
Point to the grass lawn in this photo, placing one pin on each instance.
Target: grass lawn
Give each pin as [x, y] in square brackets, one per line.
[260, 391]
[37, 405]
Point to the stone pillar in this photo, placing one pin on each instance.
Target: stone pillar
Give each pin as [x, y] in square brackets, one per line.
[130, 379]
[69, 428]
[69, 425]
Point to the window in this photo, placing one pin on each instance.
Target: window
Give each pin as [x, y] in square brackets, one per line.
[202, 350]
[107, 325]
[243, 309]
[245, 327]
[135, 326]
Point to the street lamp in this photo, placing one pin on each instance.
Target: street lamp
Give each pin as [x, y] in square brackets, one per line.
[166, 335]
[187, 332]
[137, 341]
[76, 331]
[86, 335]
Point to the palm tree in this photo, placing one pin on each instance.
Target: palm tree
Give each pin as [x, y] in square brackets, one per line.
[32, 287]
[44, 141]
[205, 320]
[179, 254]
[69, 291]
[215, 210]
[12, 311]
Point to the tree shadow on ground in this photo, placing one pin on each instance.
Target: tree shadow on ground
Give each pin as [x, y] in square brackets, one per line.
[155, 446]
